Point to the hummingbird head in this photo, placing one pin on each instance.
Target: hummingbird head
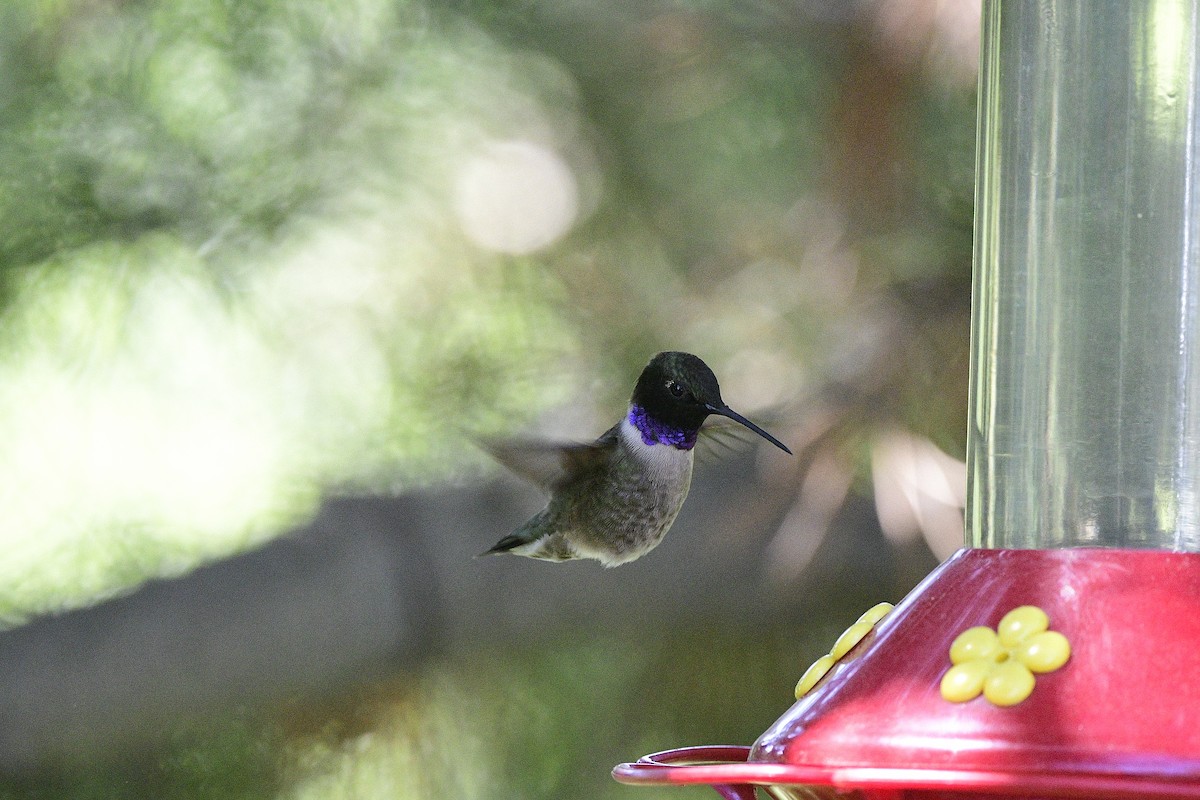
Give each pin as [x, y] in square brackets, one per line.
[675, 393]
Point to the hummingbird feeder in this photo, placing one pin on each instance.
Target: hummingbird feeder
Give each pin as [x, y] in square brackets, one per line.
[1057, 654]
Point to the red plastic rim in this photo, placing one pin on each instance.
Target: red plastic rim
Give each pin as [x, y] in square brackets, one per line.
[726, 765]
[1116, 720]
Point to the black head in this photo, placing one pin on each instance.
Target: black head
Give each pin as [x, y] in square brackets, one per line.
[678, 390]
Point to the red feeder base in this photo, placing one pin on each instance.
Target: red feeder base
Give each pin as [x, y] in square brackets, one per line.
[1121, 719]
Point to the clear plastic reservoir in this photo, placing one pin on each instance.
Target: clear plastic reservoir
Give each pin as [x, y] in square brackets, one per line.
[1085, 410]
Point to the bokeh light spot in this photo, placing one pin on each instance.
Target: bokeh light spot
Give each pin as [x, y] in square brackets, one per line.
[516, 197]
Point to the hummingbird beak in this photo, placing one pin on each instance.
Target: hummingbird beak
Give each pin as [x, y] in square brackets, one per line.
[726, 411]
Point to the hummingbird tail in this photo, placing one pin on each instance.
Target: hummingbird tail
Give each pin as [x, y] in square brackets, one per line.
[535, 539]
[510, 542]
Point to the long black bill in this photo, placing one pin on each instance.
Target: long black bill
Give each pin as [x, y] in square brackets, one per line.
[726, 411]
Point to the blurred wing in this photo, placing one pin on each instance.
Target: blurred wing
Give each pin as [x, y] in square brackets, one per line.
[722, 437]
[551, 465]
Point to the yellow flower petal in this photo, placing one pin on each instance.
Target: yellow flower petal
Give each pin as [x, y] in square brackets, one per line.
[1008, 684]
[1021, 623]
[850, 637]
[875, 613]
[975, 643]
[1043, 652]
[963, 682]
[813, 674]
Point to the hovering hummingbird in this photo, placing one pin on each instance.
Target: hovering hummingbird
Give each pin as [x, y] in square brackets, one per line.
[614, 499]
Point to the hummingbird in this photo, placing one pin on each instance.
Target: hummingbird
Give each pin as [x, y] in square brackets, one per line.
[615, 499]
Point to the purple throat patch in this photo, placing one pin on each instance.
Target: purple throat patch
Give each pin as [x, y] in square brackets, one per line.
[655, 432]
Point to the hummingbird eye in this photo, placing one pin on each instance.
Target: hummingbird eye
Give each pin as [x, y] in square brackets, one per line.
[675, 389]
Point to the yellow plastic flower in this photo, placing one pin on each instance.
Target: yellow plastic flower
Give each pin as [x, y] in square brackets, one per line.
[844, 644]
[1001, 663]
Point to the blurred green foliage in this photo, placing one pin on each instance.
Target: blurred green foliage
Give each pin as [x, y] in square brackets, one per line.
[231, 282]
